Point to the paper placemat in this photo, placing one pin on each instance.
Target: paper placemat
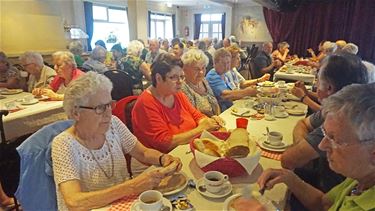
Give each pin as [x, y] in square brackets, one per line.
[271, 155]
[123, 204]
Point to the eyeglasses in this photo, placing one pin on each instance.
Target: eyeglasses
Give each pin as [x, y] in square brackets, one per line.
[100, 109]
[336, 145]
[176, 77]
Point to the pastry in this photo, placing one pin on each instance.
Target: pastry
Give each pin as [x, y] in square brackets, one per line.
[171, 183]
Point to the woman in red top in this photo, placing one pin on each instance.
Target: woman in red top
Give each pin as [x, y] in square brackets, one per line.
[66, 69]
[163, 117]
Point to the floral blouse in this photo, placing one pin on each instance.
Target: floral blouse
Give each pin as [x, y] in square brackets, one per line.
[207, 103]
[131, 65]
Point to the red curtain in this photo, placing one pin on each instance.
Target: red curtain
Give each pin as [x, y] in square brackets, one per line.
[350, 20]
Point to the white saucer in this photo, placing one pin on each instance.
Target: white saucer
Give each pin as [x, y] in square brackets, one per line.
[282, 145]
[31, 102]
[242, 112]
[296, 112]
[135, 205]
[283, 114]
[227, 189]
[261, 143]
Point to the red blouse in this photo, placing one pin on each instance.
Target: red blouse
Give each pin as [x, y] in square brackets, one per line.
[155, 124]
[57, 81]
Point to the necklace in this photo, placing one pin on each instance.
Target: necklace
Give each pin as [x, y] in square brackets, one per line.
[97, 162]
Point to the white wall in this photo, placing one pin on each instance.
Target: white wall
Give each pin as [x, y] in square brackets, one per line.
[258, 34]
[187, 17]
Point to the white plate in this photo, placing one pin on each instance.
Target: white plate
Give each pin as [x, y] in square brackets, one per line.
[262, 199]
[282, 115]
[261, 144]
[31, 102]
[42, 97]
[135, 205]
[179, 188]
[242, 112]
[11, 91]
[223, 192]
[296, 112]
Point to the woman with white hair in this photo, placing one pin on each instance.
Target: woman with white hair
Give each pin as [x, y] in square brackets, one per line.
[88, 158]
[67, 71]
[40, 75]
[135, 67]
[281, 53]
[9, 75]
[196, 87]
[96, 61]
[349, 141]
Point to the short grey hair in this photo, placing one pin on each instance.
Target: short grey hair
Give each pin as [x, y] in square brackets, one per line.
[135, 48]
[194, 56]
[329, 47]
[355, 102]
[65, 56]
[350, 48]
[82, 89]
[76, 47]
[32, 57]
[99, 53]
[282, 45]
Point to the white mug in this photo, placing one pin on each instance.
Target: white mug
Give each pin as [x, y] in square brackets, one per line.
[150, 200]
[275, 138]
[214, 181]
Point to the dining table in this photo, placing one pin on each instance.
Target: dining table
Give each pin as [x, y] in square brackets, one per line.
[289, 73]
[27, 114]
[278, 196]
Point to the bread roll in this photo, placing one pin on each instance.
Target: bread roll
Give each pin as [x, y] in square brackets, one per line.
[207, 146]
[238, 144]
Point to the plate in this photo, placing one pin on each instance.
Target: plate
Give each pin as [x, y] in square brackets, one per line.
[178, 180]
[135, 205]
[227, 189]
[282, 115]
[296, 112]
[262, 199]
[261, 144]
[41, 97]
[31, 102]
[11, 91]
[242, 112]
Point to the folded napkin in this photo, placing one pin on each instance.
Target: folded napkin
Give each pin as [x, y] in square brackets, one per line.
[123, 204]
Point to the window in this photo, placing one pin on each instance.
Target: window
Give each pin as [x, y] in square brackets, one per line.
[211, 26]
[110, 25]
[161, 26]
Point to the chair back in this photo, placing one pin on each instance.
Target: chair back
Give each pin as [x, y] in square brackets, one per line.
[36, 189]
[122, 84]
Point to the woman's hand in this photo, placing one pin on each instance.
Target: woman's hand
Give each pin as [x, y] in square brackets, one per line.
[219, 120]
[168, 159]
[311, 51]
[298, 92]
[301, 85]
[265, 77]
[208, 124]
[37, 91]
[147, 180]
[271, 177]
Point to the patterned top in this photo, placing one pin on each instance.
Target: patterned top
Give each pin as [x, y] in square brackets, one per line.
[131, 65]
[205, 103]
[12, 72]
[73, 161]
[47, 74]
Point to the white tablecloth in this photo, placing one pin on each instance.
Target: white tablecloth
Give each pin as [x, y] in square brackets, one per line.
[31, 117]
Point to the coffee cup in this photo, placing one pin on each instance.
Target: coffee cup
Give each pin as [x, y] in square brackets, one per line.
[275, 138]
[28, 98]
[150, 200]
[279, 109]
[281, 84]
[214, 181]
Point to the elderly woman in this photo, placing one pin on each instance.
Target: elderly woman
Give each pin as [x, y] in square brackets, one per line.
[40, 75]
[67, 71]
[88, 158]
[220, 84]
[281, 53]
[96, 61]
[349, 141]
[76, 49]
[9, 75]
[235, 79]
[135, 67]
[163, 117]
[196, 86]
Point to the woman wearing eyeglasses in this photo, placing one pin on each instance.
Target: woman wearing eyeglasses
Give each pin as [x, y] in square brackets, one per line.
[163, 116]
[349, 141]
[67, 71]
[88, 158]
